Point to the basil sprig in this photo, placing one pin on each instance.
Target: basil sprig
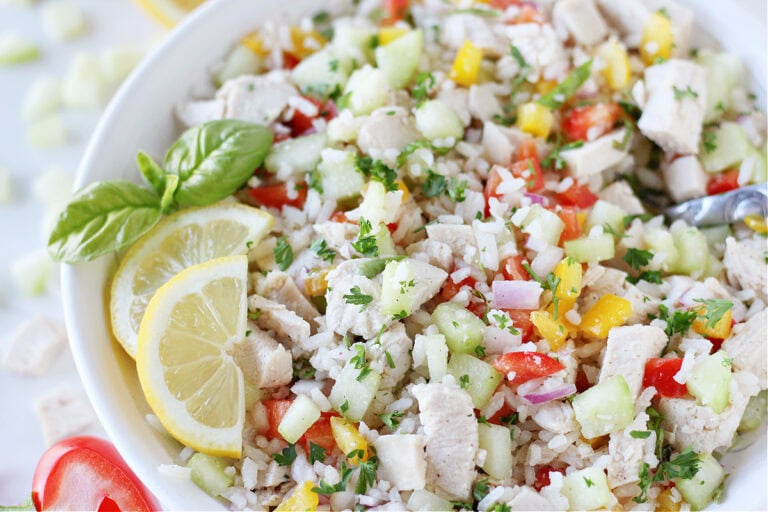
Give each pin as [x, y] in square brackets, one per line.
[206, 164]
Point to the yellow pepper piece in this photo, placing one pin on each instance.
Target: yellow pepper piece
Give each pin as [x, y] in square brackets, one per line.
[570, 273]
[581, 217]
[666, 503]
[349, 440]
[306, 42]
[466, 65]
[402, 186]
[389, 34]
[316, 284]
[254, 43]
[617, 71]
[545, 86]
[756, 224]
[550, 329]
[721, 330]
[608, 312]
[657, 40]
[302, 498]
[535, 119]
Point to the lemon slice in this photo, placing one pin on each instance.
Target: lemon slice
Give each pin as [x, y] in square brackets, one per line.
[185, 238]
[188, 376]
[169, 12]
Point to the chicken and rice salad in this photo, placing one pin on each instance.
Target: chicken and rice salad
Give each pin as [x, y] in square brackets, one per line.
[456, 298]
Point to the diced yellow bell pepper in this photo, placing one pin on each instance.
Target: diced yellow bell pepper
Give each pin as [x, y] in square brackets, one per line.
[306, 43]
[535, 119]
[756, 223]
[617, 71]
[302, 498]
[608, 312]
[316, 284]
[545, 86]
[563, 306]
[657, 40]
[550, 329]
[402, 186]
[666, 503]
[581, 217]
[466, 65]
[570, 273]
[349, 440]
[721, 330]
[389, 34]
[254, 43]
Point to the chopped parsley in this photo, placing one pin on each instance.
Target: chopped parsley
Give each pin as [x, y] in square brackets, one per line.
[320, 247]
[355, 296]
[628, 129]
[480, 489]
[283, 253]
[664, 12]
[374, 267]
[334, 65]
[552, 283]
[480, 351]
[522, 73]
[325, 488]
[457, 189]
[377, 171]
[345, 406]
[652, 276]
[390, 419]
[712, 310]
[589, 482]
[509, 420]
[709, 141]
[367, 476]
[366, 242]
[681, 94]
[504, 120]
[678, 322]
[640, 434]
[434, 185]
[565, 89]
[316, 453]
[637, 258]
[254, 315]
[684, 466]
[424, 82]
[390, 361]
[607, 228]
[400, 315]
[410, 148]
[554, 159]
[287, 456]
[464, 381]
[360, 362]
[631, 109]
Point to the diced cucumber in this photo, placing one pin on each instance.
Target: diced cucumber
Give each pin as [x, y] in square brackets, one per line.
[43, 97]
[47, 132]
[716, 234]
[760, 171]
[591, 249]
[352, 397]
[754, 413]
[63, 20]
[436, 120]
[710, 381]
[477, 377]
[713, 267]
[586, 489]
[321, 73]
[463, 331]
[240, 61]
[352, 43]
[31, 272]
[339, 178]
[209, 473]
[302, 413]
[733, 146]
[378, 205]
[400, 58]
[699, 490]
[543, 224]
[724, 72]
[604, 408]
[436, 350]
[397, 288]
[422, 499]
[83, 86]
[603, 213]
[301, 154]
[368, 89]
[661, 242]
[692, 251]
[384, 241]
[16, 49]
[497, 443]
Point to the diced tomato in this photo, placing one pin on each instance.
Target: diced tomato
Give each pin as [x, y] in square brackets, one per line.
[290, 61]
[529, 170]
[582, 383]
[526, 365]
[659, 373]
[716, 344]
[396, 9]
[572, 229]
[577, 195]
[521, 319]
[450, 289]
[301, 123]
[542, 476]
[392, 227]
[276, 196]
[339, 216]
[320, 433]
[528, 150]
[528, 13]
[504, 412]
[594, 120]
[512, 269]
[491, 183]
[723, 182]
[276, 409]
[479, 309]
[281, 136]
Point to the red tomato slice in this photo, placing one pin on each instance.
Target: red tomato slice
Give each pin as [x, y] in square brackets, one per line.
[526, 365]
[493, 181]
[521, 319]
[397, 9]
[529, 170]
[512, 269]
[87, 473]
[450, 289]
[572, 229]
[276, 196]
[505, 411]
[598, 118]
[577, 195]
[290, 61]
[301, 124]
[528, 150]
[723, 182]
[542, 476]
[320, 433]
[659, 373]
[276, 409]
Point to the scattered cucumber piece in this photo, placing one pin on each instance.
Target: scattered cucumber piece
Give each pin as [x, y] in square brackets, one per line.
[302, 413]
[463, 331]
[422, 499]
[321, 73]
[724, 72]
[400, 58]
[732, 146]
[477, 377]
[543, 224]
[339, 178]
[351, 41]
[699, 490]
[208, 473]
[497, 443]
[437, 356]
[755, 412]
[352, 397]
[661, 242]
[16, 49]
[586, 489]
[240, 61]
[709, 381]
[692, 251]
[397, 288]
[591, 249]
[301, 154]
[604, 408]
[367, 88]
[603, 213]
[436, 120]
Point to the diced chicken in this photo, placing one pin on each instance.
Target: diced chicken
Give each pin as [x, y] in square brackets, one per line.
[674, 111]
[341, 316]
[382, 131]
[596, 156]
[528, 499]
[457, 28]
[747, 346]
[401, 461]
[458, 100]
[599, 280]
[627, 350]
[289, 327]
[483, 104]
[451, 431]
[581, 19]
[336, 234]
[497, 146]
[392, 352]
[274, 475]
[457, 237]
[555, 417]
[63, 412]
[628, 453]
[258, 99]
[433, 252]
[264, 362]
[279, 287]
[698, 426]
[744, 261]
[428, 280]
[620, 193]
[682, 19]
[685, 178]
[197, 112]
[33, 346]
[628, 17]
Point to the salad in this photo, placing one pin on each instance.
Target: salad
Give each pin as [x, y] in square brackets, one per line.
[403, 258]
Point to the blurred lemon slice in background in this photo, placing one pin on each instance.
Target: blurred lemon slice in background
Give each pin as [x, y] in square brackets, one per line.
[183, 359]
[169, 12]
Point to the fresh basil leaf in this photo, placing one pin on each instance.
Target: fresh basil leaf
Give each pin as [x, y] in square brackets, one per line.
[565, 89]
[171, 184]
[152, 172]
[103, 217]
[216, 158]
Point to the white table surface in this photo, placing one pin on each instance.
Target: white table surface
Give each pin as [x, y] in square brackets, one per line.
[111, 23]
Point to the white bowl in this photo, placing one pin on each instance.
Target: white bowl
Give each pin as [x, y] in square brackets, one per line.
[140, 117]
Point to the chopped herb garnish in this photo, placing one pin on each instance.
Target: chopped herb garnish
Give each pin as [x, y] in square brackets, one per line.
[390, 361]
[627, 220]
[664, 12]
[345, 406]
[480, 489]
[457, 189]
[374, 267]
[504, 120]
[366, 242]
[607, 228]
[424, 82]
[480, 351]
[565, 89]
[367, 476]
[589, 482]
[355, 296]
[434, 185]
[254, 315]
[640, 434]
[464, 381]
[334, 65]
[283, 253]
[390, 419]
[553, 282]
[631, 109]
[554, 159]
[681, 94]
[287, 456]
[510, 419]
[377, 171]
[316, 453]
[637, 258]
[709, 141]
[628, 129]
[522, 73]
[651, 276]
[400, 316]
[327, 489]
[320, 247]
[684, 466]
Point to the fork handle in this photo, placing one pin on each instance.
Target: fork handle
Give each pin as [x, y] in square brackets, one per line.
[722, 208]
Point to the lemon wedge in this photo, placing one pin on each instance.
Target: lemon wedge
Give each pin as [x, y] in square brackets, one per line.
[186, 238]
[169, 12]
[188, 376]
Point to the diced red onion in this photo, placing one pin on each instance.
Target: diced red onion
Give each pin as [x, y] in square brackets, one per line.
[540, 398]
[537, 199]
[516, 294]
